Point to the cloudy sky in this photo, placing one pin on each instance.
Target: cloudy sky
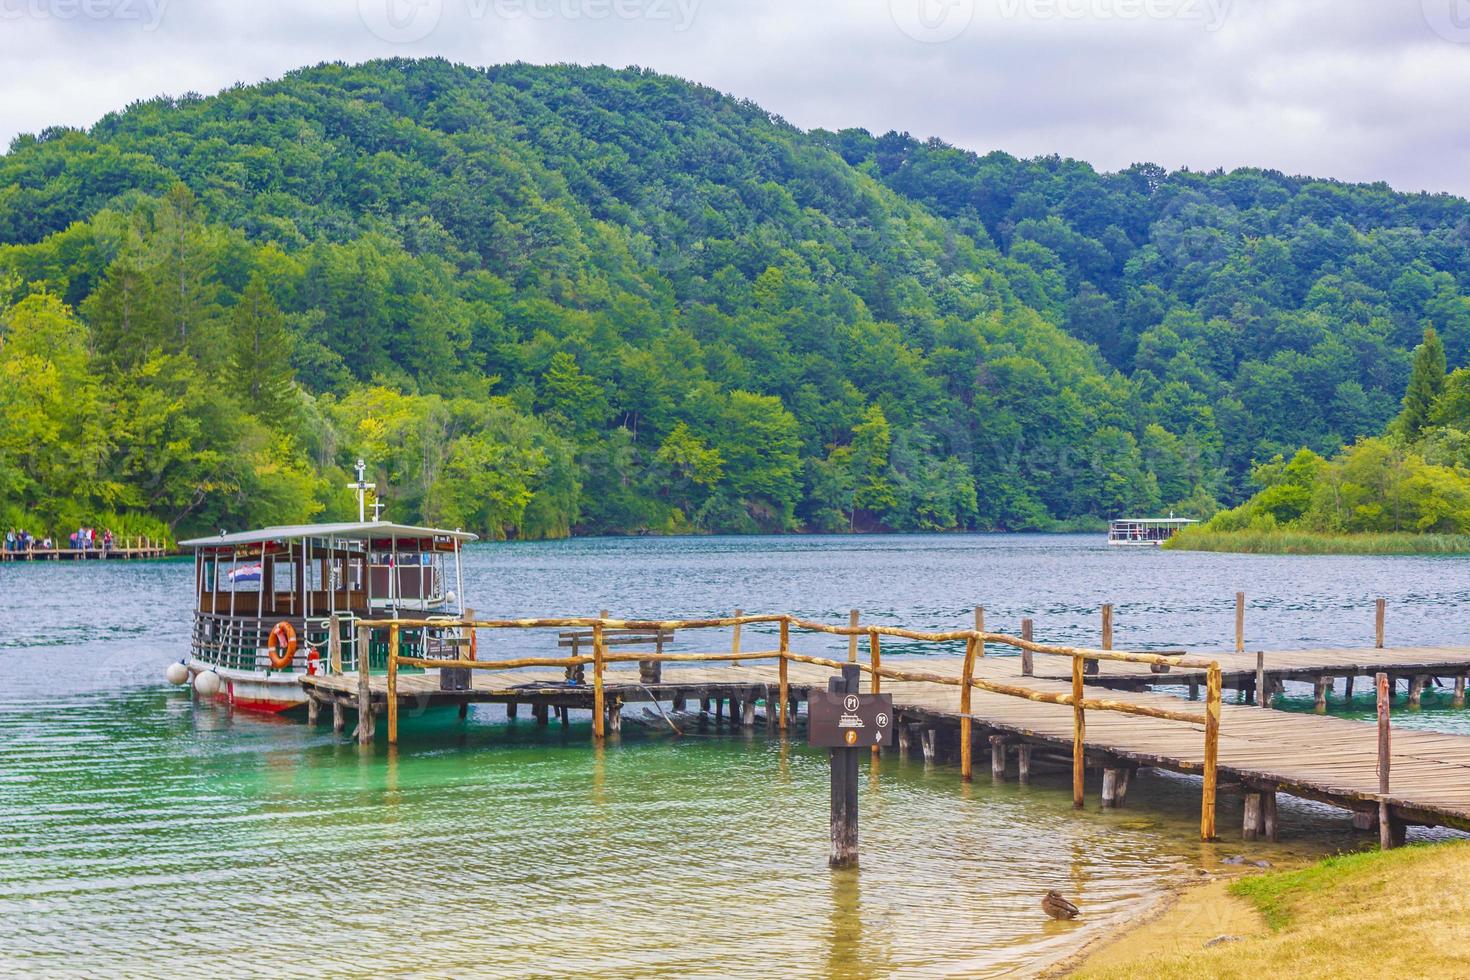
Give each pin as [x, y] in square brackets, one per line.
[1353, 89]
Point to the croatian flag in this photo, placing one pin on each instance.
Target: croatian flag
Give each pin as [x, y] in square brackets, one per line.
[245, 573]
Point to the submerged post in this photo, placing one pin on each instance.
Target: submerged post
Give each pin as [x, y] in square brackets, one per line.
[1213, 685]
[1385, 753]
[1380, 608]
[785, 687]
[966, 675]
[844, 785]
[1079, 735]
[599, 720]
[393, 685]
[364, 692]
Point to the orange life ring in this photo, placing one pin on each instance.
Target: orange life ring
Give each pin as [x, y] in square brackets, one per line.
[281, 647]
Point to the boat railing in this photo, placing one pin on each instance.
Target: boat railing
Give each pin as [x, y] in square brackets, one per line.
[402, 653]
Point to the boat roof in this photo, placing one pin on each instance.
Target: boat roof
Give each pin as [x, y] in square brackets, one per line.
[1155, 520]
[352, 531]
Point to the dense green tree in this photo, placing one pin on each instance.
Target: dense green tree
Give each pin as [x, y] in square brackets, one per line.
[260, 355]
[1426, 382]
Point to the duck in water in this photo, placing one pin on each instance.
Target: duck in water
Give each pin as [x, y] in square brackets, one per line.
[1058, 907]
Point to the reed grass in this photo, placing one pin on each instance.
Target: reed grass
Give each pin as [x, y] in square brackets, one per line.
[1293, 542]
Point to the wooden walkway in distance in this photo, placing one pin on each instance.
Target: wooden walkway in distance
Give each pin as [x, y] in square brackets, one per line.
[86, 554]
[1331, 760]
[1320, 667]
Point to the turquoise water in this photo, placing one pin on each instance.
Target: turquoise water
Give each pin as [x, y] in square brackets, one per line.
[144, 835]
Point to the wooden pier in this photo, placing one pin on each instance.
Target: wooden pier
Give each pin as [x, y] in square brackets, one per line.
[129, 549]
[973, 702]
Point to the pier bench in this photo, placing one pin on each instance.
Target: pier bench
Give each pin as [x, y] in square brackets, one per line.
[580, 641]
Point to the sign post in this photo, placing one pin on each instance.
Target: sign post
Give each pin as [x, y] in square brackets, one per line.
[844, 721]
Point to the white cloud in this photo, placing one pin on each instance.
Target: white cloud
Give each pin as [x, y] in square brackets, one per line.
[1358, 92]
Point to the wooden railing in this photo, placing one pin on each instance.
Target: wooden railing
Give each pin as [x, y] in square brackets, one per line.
[974, 640]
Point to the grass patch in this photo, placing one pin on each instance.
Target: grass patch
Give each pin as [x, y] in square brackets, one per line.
[1288, 542]
[1393, 914]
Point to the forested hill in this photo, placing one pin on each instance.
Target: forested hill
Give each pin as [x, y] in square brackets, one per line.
[539, 300]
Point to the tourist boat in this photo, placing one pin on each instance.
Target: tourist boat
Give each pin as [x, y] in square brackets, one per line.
[264, 602]
[1145, 532]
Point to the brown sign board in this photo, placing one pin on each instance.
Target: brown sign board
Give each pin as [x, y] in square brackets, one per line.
[849, 721]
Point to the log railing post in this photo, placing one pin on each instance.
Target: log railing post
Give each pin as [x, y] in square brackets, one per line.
[599, 722]
[1380, 607]
[852, 623]
[875, 660]
[334, 644]
[785, 687]
[1213, 687]
[966, 675]
[1095, 666]
[1240, 622]
[1385, 754]
[1263, 696]
[1027, 657]
[393, 685]
[735, 635]
[1079, 736]
[364, 692]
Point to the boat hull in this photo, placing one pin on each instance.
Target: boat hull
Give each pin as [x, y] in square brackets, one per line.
[255, 690]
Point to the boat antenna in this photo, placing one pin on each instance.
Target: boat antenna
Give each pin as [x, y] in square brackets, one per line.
[362, 487]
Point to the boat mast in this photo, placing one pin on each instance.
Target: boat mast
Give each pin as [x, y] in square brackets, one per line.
[362, 487]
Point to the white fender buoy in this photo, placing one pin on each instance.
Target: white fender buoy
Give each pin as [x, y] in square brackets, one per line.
[177, 673]
[206, 682]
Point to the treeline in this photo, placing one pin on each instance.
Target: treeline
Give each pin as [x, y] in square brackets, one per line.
[545, 300]
[1414, 478]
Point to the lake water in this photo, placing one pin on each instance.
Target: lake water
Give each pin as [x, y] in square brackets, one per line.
[144, 835]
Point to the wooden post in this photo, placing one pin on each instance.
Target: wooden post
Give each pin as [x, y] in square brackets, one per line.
[1347, 688]
[1379, 608]
[844, 785]
[747, 714]
[1263, 694]
[1092, 666]
[1385, 756]
[875, 682]
[1319, 694]
[615, 716]
[1212, 753]
[1026, 655]
[903, 738]
[1079, 733]
[929, 742]
[334, 645]
[1240, 622]
[1023, 763]
[1459, 701]
[852, 622]
[1251, 824]
[1193, 691]
[599, 718]
[735, 638]
[393, 684]
[785, 687]
[313, 710]
[1268, 815]
[1120, 791]
[1416, 690]
[1109, 787]
[364, 693]
[998, 758]
[966, 675]
[512, 709]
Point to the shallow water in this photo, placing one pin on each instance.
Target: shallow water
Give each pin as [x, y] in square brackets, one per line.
[142, 835]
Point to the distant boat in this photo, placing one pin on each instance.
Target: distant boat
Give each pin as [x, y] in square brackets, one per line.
[1145, 532]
